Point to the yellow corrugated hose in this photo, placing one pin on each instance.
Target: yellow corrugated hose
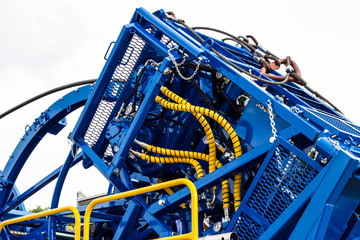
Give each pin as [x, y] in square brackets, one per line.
[202, 121]
[188, 154]
[222, 121]
[169, 160]
[211, 141]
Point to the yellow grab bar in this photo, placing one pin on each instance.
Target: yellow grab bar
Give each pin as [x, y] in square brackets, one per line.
[47, 213]
[193, 235]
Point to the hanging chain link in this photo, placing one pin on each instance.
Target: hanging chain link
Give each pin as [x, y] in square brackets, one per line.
[262, 107]
[271, 113]
[272, 122]
[177, 65]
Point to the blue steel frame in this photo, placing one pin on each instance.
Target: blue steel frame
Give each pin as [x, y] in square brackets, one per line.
[327, 205]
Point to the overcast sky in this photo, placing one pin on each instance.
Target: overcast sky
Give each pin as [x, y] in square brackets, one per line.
[45, 44]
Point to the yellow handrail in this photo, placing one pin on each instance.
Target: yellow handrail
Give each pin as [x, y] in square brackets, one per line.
[47, 213]
[193, 235]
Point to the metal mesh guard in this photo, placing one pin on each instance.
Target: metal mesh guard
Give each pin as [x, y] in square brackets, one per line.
[280, 182]
[119, 79]
[337, 122]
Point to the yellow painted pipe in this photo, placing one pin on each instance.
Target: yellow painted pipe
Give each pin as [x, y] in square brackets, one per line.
[182, 181]
[48, 213]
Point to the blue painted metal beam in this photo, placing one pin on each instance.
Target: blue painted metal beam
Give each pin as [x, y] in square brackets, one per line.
[259, 94]
[144, 17]
[128, 221]
[228, 170]
[33, 136]
[35, 188]
[341, 169]
[156, 82]
[124, 184]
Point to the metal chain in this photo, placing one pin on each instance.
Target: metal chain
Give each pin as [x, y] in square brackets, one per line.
[272, 122]
[177, 65]
[296, 110]
[262, 107]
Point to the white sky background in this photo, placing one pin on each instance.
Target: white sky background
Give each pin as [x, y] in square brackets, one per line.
[45, 44]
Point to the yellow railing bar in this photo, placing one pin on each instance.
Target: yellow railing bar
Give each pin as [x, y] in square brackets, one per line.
[47, 213]
[182, 181]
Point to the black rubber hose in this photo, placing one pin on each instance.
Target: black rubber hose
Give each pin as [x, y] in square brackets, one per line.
[44, 94]
[232, 64]
[241, 42]
[208, 102]
[250, 74]
[223, 94]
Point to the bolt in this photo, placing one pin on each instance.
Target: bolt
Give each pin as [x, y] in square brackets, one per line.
[132, 156]
[116, 172]
[116, 148]
[217, 226]
[162, 202]
[167, 71]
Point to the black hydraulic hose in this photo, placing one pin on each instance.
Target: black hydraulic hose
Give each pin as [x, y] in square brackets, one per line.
[223, 94]
[238, 40]
[208, 102]
[227, 61]
[44, 94]
[317, 94]
[269, 55]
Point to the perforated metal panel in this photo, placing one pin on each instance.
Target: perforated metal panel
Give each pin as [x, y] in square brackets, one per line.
[116, 85]
[340, 124]
[285, 173]
[247, 229]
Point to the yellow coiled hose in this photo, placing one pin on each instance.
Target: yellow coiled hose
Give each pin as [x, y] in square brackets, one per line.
[211, 141]
[188, 154]
[173, 152]
[204, 123]
[222, 121]
[169, 160]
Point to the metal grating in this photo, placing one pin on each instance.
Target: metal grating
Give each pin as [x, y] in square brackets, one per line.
[283, 180]
[119, 79]
[278, 183]
[338, 123]
[168, 42]
[246, 229]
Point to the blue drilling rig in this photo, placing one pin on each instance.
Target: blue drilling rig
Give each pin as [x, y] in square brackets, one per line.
[198, 138]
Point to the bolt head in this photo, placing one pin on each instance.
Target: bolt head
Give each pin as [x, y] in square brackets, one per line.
[116, 148]
[162, 202]
[167, 71]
